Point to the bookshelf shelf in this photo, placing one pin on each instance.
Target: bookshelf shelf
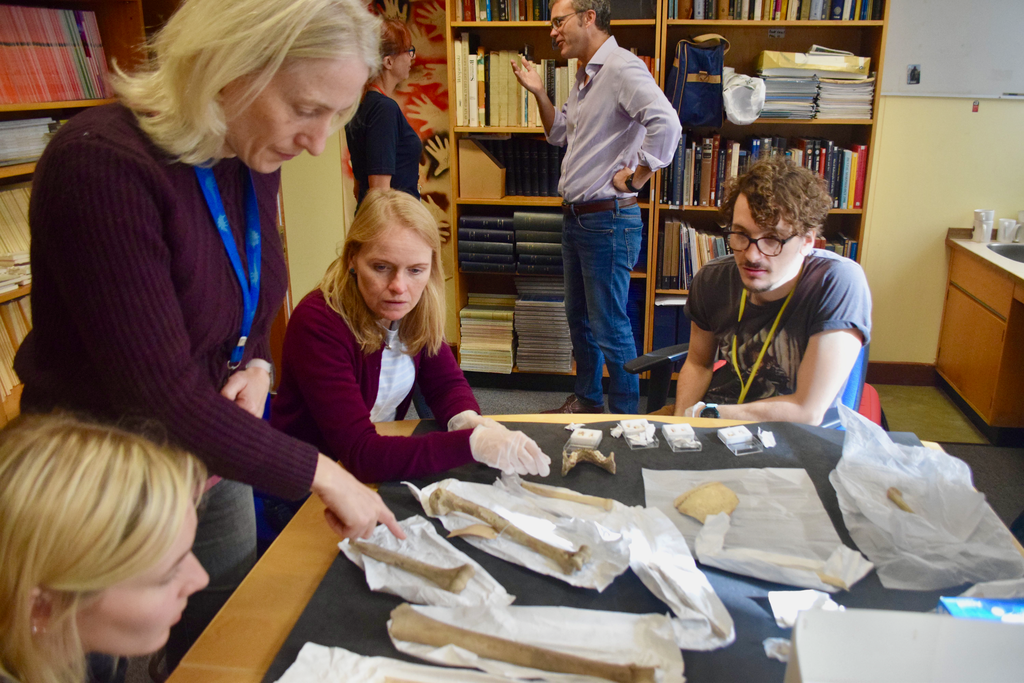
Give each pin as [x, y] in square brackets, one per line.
[714, 209]
[709, 23]
[542, 24]
[671, 291]
[63, 104]
[497, 129]
[816, 122]
[17, 170]
[512, 201]
[15, 294]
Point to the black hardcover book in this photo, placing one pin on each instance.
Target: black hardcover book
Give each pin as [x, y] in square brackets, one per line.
[522, 168]
[473, 247]
[478, 267]
[482, 235]
[487, 223]
[547, 221]
[502, 10]
[511, 165]
[486, 258]
[541, 259]
[555, 155]
[538, 236]
[528, 269]
[543, 168]
[720, 181]
[698, 155]
[549, 248]
[549, 79]
[487, 93]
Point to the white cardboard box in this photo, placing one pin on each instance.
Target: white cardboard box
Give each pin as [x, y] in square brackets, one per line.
[883, 646]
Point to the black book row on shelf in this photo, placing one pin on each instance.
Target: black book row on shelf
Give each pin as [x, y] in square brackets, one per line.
[532, 166]
[527, 243]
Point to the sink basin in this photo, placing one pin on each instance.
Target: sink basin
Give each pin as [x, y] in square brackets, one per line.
[1010, 251]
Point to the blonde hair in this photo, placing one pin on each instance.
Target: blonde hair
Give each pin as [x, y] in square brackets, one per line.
[82, 507]
[379, 213]
[208, 44]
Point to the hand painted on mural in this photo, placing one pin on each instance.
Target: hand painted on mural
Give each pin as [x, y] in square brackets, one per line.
[431, 14]
[441, 216]
[432, 73]
[392, 9]
[427, 48]
[433, 118]
[437, 147]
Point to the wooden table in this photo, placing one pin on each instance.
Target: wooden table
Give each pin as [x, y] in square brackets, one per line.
[241, 642]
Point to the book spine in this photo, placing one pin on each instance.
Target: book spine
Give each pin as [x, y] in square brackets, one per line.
[479, 267]
[477, 247]
[550, 248]
[481, 87]
[540, 259]
[836, 10]
[538, 220]
[460, 82]
[481, 257]
[862, 171]
[538, 236]
[533, 269]
[716, 143]
[473, 90]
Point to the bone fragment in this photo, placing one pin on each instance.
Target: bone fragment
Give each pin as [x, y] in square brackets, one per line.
[409, 625]
[896, 496]
[443, 501]
[481, 530]
[452, 580]
[566, 494]
[570, 459]
[832, 580]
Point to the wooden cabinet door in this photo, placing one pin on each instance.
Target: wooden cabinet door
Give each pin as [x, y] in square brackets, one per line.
[970, 345]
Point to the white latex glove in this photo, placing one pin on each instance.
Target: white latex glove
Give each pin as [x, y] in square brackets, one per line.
[468, 419]
[694, 410]
[508, 451]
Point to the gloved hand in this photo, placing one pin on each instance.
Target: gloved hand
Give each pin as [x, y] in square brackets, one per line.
[694, 410]
[508, 451]
[468, 419]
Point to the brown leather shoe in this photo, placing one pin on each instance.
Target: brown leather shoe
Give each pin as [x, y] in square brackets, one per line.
[574, 404]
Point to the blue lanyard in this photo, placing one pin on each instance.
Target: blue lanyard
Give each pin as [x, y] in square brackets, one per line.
[250, 285]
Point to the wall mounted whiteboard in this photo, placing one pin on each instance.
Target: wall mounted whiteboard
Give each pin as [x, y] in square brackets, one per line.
[965, 49]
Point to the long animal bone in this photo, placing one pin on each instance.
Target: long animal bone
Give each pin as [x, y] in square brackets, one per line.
[443, 501]
[452, 580]
[566, 494]
[409, 625]
[570, 459]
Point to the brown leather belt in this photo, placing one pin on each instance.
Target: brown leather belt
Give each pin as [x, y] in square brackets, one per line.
[595, 206]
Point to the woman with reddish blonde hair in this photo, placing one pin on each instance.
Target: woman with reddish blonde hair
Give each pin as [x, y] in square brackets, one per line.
[384, 148]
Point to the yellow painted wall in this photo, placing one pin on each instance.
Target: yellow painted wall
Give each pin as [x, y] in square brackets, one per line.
[318, 204]
[935, 162]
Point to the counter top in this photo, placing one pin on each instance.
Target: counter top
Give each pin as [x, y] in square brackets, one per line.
[1012, 268]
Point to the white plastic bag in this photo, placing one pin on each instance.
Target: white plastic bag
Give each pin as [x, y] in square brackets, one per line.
[952, 537]
[743, 96]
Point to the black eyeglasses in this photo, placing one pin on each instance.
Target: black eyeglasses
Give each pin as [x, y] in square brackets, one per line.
[411, 51]
[556, 22]
[769, 246]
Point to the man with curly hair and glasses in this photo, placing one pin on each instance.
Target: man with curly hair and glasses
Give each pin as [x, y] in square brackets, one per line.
[789, 320]
[618, 128]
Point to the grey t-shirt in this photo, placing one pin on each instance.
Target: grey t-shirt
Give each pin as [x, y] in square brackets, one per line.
[832, 294]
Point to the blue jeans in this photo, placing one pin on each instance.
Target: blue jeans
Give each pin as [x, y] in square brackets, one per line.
[599, 250]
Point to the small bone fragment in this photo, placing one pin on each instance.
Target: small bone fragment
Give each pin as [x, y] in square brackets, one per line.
[443, 501]
[896, 496]
[411, 626]
[566, 494]
[481, 530]
[588, 455]
[452, 580]
[832, 580]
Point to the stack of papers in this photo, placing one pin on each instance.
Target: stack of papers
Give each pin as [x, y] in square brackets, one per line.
[23, 140]
[789, 98]
[840, 99]
[541, 325]
[488, 340]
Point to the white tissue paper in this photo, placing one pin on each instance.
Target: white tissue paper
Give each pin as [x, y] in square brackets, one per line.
[952, 537]
[423, 543]
[661, 559]
[777, 648]
[609, 550]
[779, 531]
[612, 637]
[786, 605]
[318, 663]
[996, 590]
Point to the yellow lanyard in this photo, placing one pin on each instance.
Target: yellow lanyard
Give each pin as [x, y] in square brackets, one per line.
[745, 386]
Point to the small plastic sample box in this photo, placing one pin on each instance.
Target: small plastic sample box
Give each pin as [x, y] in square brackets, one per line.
[681, 438]
[740, 440]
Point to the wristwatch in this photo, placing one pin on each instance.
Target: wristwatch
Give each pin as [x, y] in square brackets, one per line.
[629, 183]
[710, 410]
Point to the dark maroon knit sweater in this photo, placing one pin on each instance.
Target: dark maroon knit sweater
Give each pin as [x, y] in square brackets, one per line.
[135, 305]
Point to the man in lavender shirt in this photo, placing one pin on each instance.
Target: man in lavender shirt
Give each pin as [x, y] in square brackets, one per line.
[620, 128]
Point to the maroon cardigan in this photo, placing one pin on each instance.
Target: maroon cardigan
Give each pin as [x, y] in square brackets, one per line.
[135, 304]
[328, 387]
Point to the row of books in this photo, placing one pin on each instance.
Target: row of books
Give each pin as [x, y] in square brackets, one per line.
[777, 10]
[16, 320]
[541, 327]
[839, 244]
[532, 166]
[49, 55]
[502, 10]
[682, 250]
[671, 326]
[487, 335]
[528, 243]
[702, 165]
[14, 234]
[23, 140]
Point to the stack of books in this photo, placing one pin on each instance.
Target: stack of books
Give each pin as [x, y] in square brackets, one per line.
[768, 10]
[486, 329]
[486, 244]
[50, 55]
[14, 233]
[541, 325]
[23, 140]
[845, 99]
[682, 251]
[532, 166]
[16, 321]
[538, 242]
[671, 326]
[789, 98]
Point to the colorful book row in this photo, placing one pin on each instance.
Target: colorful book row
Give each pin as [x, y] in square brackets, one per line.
[777, 10]
[16, 320]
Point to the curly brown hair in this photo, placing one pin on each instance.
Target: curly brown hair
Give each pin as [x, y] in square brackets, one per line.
[778, 190]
